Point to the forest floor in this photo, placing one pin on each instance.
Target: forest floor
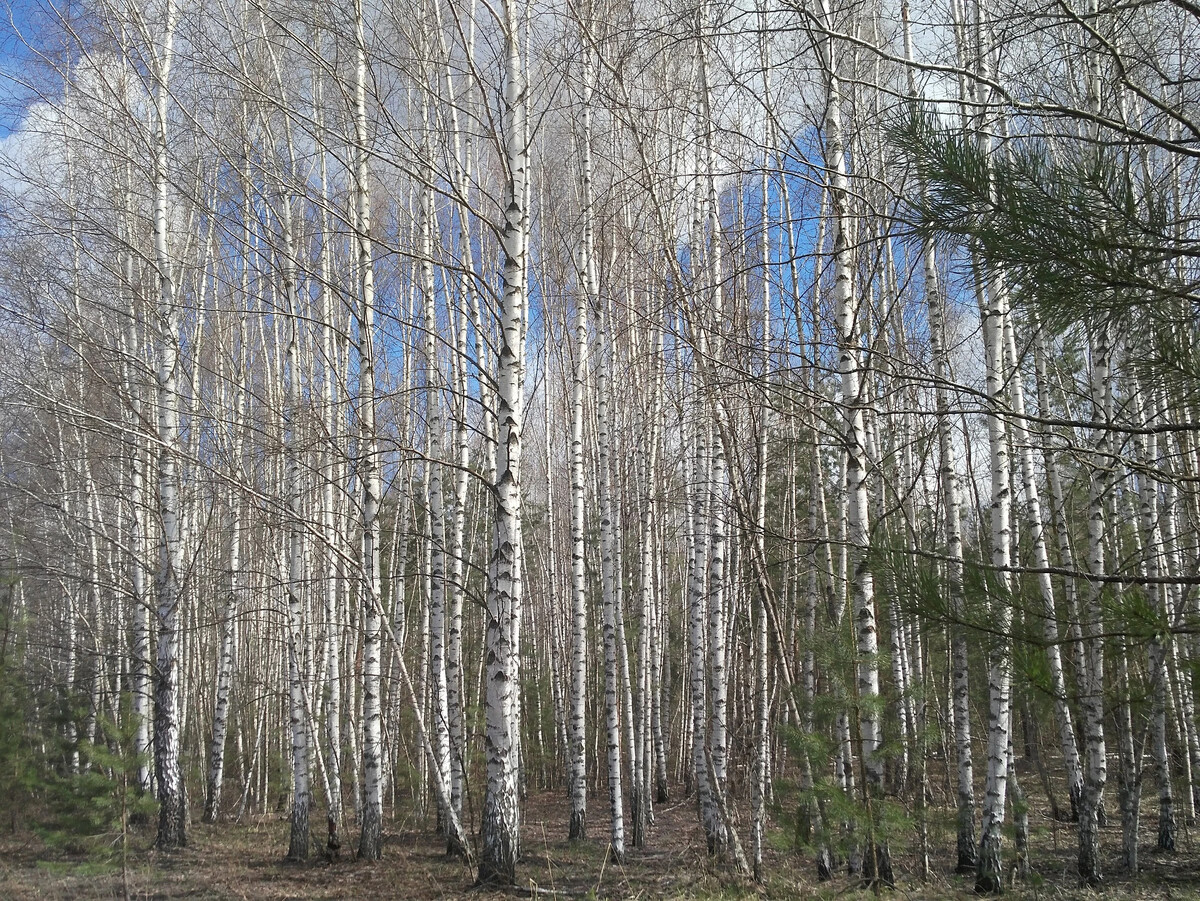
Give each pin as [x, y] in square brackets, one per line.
[244, 861]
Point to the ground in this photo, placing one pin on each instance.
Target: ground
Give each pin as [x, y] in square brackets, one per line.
[244, 861]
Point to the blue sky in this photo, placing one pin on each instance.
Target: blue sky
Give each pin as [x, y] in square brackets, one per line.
[18, 16]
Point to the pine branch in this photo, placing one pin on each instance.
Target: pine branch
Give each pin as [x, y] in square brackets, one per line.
[1081, 240]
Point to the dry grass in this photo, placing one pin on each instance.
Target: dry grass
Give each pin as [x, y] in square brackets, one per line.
[244, 861]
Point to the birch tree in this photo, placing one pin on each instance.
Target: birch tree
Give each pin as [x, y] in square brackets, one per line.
[172, 819]
[371, 812]
[500, 839]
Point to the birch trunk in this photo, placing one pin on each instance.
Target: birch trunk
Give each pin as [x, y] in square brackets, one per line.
[852, 399]
[370, 840]
[172, 817]
[952, 529]
[989, 871]
[228, 653]
[578, 692]
[697, 616]
[333, 546]
[1092, 677]
[435, 512]
[300, 842]
[1147, 450]
[608, 581]
[951, 522]
[585, 294]
[761, 648]
[500, 837]
[641, 809]
[140, 693]
[461, 161]
[1023, 441]
[718, 839]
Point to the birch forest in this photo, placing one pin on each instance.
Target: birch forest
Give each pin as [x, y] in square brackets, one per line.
[653, 448]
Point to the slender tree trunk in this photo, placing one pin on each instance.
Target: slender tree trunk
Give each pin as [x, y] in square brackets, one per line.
[852, 398]
[468, 300]
[435, 512]
[989, 871]
[300, 842]
[1130, 771]
[761, 649]
[578, 691]
[1023, 442]
[697, 616]
[140, 692]
[608, 580]
[371, 838]
[172, 817]
[1093, 687]
[951, 523]
[330, 534]
[500, 837]
[1160, 683]
[229, 617]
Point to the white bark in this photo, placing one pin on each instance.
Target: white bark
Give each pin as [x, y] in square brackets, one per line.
[951, 521]
[172, 821]
[139, 601]
[578, 692]
[370, 841]
[300, 842]
[229, 615]
[1147, 448]
[850, 367]
[333, 545]
[1093, 687]
[647, 663]
[698, 504]
[608, 583]
[760, 647]
[1023, 442]
[989, 875]
[436, 516]
[500, 837]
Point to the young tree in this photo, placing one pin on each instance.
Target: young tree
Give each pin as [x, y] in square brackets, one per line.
[172, 818]
[500, 839]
